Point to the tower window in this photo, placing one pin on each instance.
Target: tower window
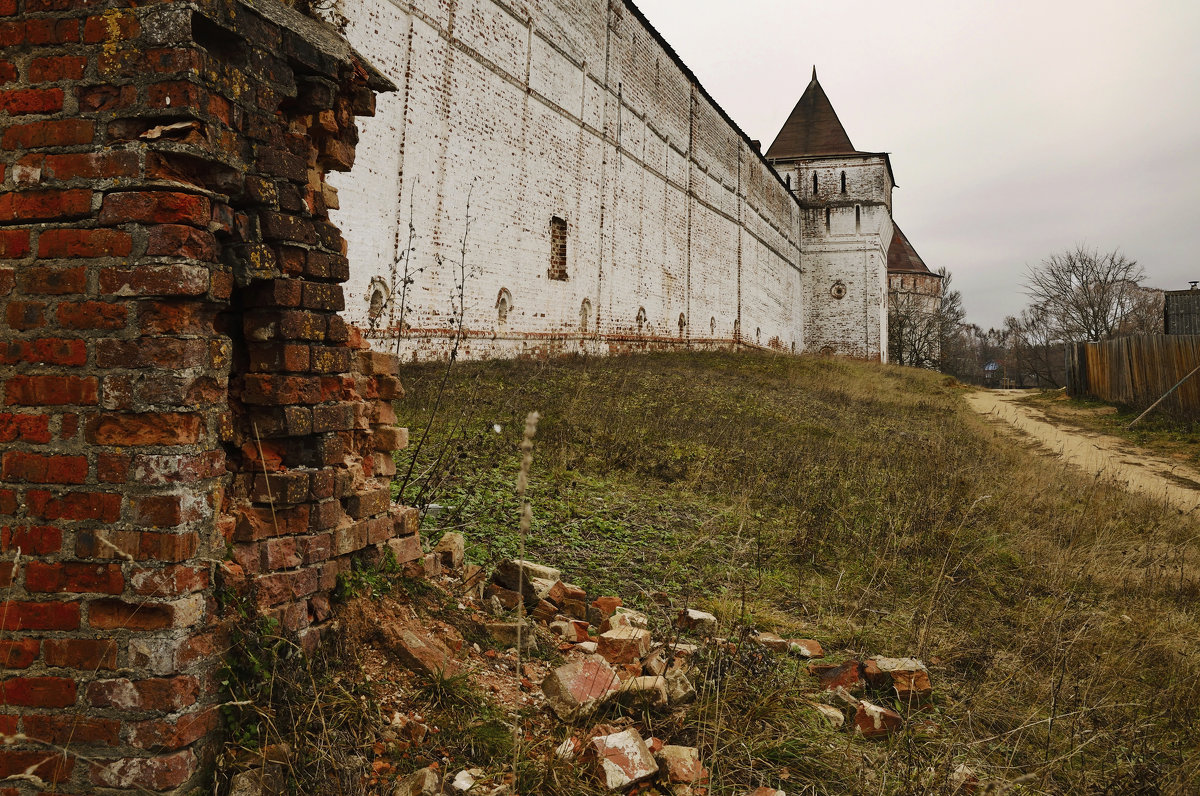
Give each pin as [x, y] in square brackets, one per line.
[814, 183]
[827, 218]
[558, 249]
[682, 324]
[843, 182]
[857, 218]
[787, 180]
[712, 325]
[641, 319]
[585, 312]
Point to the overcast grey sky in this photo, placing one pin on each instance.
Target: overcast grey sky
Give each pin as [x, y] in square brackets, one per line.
[1017, 127]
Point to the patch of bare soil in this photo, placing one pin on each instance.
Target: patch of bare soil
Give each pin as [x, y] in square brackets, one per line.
[1097, 454]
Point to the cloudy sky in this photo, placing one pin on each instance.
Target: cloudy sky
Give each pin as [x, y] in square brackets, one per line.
[1017, 127]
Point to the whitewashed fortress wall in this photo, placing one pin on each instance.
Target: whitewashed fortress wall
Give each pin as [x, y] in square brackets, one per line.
[545, 110]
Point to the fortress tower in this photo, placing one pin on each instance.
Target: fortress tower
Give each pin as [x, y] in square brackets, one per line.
[845, 197]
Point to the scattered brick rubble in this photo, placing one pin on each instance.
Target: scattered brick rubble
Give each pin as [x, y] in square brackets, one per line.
[613, 658]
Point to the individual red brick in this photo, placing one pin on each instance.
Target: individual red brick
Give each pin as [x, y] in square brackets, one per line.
[151, 352]
[38, 540]
[176, 317]
[111, 614]
[169, 581]
[113, 26]
[25, 315]
[54, 243]
[151, 428]
[106, 544]
[8, 502]
[31, 100]
[149, 773]
[44, 351]
[8, 72]
[106, 97]
[155, 693]
[52, 390]
[271, 357]
[271, 390]
[27, 428]
[173, 468]
[12, 34]
[51, 69]
[112, 468]
[45, 205]
[50, 133]
[176, 94]
[167, 546]
[91, 165]
[48, 280]
[39, 616]
[74, 577]
[72, 730]
[68, 425]
[14, 243]
[177, 240]
[85, 654]
[164, 511]
[155, 207]
[18, 654]
[47, 30]
[47, 765]
[46, 505]
[8, 280]
[8, 8]
[162, 280]
[40, 469]
[159, 734]
[92, 315]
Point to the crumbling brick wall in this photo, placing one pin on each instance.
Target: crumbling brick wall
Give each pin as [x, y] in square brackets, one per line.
[181, 403]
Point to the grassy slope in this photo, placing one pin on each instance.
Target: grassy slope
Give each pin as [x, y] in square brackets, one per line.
[866, 507]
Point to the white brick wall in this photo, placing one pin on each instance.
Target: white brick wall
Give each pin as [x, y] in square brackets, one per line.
[572, 108]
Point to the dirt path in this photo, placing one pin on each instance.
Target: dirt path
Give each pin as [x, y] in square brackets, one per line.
[1115, 459]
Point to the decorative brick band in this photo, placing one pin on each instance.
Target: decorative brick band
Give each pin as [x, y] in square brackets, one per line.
[182, 403]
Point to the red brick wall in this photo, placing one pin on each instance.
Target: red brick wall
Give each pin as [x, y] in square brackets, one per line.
[180, 403]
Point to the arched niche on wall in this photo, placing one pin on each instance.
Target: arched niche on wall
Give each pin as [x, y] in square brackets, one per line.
[504, 304]
[585, 313]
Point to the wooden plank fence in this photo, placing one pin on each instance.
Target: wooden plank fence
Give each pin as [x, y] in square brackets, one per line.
[1136, 371]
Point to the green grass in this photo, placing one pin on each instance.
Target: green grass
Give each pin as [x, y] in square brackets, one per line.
[864, 506]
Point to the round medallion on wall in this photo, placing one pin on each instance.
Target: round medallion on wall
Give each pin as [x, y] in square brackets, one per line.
[838, 291]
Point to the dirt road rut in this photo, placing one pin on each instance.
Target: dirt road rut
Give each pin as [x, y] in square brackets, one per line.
[1097, 454]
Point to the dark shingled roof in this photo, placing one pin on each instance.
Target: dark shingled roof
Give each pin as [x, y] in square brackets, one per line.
[902, 257]
[813, 128]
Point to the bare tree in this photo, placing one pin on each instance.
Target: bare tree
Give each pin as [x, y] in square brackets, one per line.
[950, 315]
[1145, 314]
[1037, 348]
[912, 330]
[1084, 293]
[924, 323]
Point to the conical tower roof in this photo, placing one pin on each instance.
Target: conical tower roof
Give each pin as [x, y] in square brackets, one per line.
[902, 257]
[813, 128]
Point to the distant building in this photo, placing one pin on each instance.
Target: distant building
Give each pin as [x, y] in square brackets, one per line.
[1181, 311]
